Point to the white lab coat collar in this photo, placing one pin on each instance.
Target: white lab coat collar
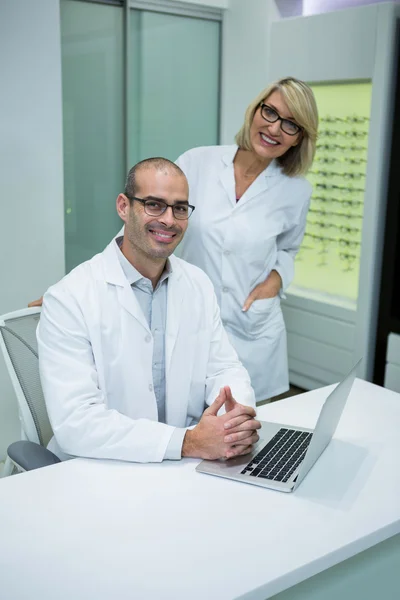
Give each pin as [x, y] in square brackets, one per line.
[115, 275]
[263, 182]
[271, 171]
[113, 270]
[230, 154]
[132, 274]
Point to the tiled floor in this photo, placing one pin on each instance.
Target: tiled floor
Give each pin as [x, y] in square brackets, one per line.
[292, 391]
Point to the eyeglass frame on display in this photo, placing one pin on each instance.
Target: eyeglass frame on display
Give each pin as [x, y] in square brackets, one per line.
[347, 202]
[335, 159]
[346, 175]
[353, 148]
[341, 228]
[333, 186]
[349, 119]
[330, 213]
[349, 133]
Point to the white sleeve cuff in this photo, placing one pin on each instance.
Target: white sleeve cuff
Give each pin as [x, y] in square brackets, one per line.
[174, 448]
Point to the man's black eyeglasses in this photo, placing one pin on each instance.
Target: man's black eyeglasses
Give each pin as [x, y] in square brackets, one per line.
[155, 208]
[269, 114]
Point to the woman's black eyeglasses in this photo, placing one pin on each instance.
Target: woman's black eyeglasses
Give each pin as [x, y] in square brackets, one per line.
[269, 114]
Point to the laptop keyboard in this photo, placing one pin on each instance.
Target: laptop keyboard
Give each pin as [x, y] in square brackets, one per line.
[279, 459]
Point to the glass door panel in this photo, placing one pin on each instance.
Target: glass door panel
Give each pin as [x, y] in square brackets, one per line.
[174, 84]
[94, 159]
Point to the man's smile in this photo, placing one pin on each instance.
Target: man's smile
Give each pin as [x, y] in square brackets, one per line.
[161, 235]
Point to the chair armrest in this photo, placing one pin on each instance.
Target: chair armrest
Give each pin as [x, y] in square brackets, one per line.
[29, 456]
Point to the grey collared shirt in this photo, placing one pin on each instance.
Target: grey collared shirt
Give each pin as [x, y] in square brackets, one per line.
[153, 303]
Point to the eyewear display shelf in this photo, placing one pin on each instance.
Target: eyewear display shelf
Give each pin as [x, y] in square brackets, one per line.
[331, 309]
[329, 258]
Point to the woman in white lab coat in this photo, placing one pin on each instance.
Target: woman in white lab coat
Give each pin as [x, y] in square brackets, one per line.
[251, 207]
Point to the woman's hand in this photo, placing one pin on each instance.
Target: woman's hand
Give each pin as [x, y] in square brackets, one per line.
[267, 289]
[35, 303]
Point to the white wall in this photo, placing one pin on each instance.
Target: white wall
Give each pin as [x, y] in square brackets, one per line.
[31, 168]
[245, 48]
[318, 55]
[245, 59]
[312, 7]
[212, 3]
[392, 370]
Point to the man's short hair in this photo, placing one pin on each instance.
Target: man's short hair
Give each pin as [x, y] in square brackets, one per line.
[157, 163]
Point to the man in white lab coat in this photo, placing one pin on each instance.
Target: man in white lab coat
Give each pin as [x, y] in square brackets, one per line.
[131, 345]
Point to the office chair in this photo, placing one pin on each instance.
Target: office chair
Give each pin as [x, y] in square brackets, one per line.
[19, 346]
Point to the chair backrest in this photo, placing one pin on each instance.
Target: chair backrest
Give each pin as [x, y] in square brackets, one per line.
[19, 346]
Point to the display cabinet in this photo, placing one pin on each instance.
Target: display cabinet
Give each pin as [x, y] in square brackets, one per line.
[348, 57]
[387, 355]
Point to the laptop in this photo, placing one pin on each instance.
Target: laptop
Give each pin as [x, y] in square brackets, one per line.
[284, 454]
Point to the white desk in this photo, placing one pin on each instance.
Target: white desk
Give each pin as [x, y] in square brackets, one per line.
[99, 530]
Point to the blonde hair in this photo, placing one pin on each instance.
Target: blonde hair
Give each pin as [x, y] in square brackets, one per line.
[300, 100]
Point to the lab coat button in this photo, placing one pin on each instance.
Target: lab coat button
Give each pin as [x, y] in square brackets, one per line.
[227, 252]
[225, 289]
[147, 338]
[150, 387]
